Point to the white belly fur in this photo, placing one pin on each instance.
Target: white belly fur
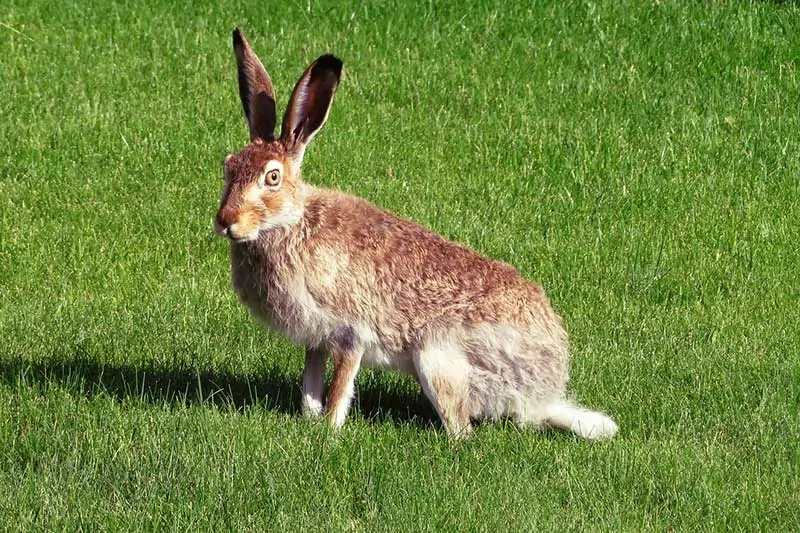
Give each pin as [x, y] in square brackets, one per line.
[376, 357]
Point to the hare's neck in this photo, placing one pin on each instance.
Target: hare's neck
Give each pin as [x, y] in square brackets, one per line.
[272, 246]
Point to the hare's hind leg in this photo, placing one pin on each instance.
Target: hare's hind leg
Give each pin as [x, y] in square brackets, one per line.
[443, 373]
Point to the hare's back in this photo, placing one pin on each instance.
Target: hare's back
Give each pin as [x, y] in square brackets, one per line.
[390, 262]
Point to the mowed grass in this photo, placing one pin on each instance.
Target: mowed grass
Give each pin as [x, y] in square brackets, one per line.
[639, 159]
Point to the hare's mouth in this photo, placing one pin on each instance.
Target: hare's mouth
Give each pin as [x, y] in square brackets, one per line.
[232, 232]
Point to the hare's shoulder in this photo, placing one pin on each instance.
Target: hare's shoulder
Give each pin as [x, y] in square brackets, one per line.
[330, 210]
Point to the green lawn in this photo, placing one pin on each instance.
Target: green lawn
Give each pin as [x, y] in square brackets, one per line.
[639, 158]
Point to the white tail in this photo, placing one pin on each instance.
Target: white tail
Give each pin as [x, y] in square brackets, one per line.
[586, 424]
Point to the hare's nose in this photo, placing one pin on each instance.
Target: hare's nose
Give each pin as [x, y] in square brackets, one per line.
[221, 227]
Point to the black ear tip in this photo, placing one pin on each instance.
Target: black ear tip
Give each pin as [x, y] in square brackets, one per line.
[238, 38]
[330, 63]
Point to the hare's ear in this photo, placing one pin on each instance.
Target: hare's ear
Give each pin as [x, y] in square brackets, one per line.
[255, 90]
[311, 101]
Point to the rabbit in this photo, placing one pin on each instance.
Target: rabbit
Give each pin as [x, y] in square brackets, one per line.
[358, 284]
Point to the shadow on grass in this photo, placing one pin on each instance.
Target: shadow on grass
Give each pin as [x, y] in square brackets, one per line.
[274, 389]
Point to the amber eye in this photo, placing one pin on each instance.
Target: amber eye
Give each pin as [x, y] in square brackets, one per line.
[272, 178]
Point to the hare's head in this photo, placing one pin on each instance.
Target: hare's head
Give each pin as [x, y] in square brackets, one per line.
[263, 187]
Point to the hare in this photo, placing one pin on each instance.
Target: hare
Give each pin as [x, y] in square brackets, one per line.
[357, 284]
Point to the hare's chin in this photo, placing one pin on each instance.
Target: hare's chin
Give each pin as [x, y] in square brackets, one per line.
[282, 220]
[248, 238]
[236, 237]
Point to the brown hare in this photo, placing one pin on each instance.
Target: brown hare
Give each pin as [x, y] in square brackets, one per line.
[357, 284]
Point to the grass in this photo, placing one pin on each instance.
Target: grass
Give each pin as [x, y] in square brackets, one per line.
[640, 159]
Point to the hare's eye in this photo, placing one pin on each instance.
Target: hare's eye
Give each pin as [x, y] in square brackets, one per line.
[272, 178]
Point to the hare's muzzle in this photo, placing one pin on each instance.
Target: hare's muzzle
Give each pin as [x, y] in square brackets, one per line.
[222, 224]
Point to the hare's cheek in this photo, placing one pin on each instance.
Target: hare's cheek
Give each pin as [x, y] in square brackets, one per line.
[273, 204]
[280, 211]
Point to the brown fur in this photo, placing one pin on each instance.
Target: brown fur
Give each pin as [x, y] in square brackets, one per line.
[340, 276]
[345, 368]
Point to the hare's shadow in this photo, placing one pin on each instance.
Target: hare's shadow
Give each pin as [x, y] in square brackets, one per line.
[376, 399]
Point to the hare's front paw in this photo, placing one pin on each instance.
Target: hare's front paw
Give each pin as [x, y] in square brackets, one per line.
[313, 383]
[311, 407]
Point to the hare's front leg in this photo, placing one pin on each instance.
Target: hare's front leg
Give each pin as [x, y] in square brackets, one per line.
[313, 381]
[345, 367]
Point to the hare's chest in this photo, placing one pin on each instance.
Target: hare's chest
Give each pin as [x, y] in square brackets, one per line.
[299, 316]
[280, 298]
